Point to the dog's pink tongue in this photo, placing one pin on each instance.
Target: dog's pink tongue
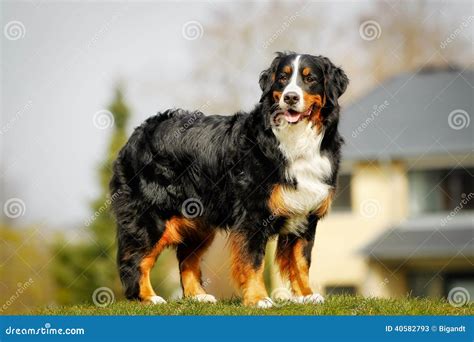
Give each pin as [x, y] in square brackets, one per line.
[292, 117]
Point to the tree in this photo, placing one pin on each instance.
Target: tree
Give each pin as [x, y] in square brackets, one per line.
[24, 279]
[411, 37]
[81, 268]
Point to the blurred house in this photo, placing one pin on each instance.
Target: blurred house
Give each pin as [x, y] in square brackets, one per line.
[403, 219]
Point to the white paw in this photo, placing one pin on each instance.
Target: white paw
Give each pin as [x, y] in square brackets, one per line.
[265, 303]
[205, 298]
[157, 300]
[314, 298]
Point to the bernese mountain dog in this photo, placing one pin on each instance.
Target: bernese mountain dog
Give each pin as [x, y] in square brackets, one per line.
[183, 175]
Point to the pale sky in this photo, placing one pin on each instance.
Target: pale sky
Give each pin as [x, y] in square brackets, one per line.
[61, 72]
[59, 75]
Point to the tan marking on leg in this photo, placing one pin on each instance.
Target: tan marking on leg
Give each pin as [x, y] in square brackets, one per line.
[190, 267]
[299, 277]
[146, 290]
[173, 234]
[293, 265]
[248, 278]
[177, 228]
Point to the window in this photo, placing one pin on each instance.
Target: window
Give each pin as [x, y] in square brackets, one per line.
[441, 190]
[424, 284]
[342, 200]
[435, 284]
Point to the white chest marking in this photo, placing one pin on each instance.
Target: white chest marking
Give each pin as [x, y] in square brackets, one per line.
[300, 144]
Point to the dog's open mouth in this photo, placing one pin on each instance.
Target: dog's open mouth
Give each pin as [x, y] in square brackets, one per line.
[293, 116]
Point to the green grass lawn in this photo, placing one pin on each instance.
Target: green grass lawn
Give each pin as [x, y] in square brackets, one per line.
[334, 305]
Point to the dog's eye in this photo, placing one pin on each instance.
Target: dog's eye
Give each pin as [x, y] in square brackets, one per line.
[309, 79]
[283, 78]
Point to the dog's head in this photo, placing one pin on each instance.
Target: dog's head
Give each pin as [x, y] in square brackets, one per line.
[302, 87]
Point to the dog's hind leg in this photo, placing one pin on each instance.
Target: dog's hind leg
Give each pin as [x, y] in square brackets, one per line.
[189, 254]
[147, 294]
[138, 249]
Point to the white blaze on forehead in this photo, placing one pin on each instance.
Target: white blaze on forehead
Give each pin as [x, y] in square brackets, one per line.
[293, 86]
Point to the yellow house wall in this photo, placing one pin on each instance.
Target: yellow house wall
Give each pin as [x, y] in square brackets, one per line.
[379, 200]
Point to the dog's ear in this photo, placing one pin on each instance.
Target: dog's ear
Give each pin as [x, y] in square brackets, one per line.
[267, 76]
[335, 82]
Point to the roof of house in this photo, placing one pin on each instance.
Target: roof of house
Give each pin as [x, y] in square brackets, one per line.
[434, 236]
[410, 115]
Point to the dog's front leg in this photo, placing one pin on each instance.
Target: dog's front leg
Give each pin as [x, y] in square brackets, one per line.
[293, 255]
[247, 257]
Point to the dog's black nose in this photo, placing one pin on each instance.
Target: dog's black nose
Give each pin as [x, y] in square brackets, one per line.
[291, 98]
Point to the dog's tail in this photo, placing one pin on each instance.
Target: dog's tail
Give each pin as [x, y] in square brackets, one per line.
[130, 240]
[129, 256]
